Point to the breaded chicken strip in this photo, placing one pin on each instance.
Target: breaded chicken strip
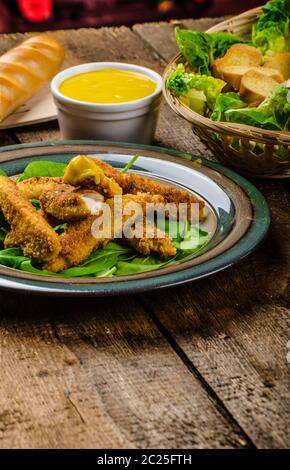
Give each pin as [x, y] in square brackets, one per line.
[145, 237]
[79, 239]
[70, 206]
[29, 230]
[159, 243]
[77, 244]
[132, 183]
[32, 188]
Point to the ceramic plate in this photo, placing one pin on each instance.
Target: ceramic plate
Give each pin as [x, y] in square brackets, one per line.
[237, 215]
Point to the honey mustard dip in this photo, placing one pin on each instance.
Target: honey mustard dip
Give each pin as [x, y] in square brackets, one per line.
[108, 86]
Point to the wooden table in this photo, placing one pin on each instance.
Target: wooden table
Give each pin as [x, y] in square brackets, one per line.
[201, 365]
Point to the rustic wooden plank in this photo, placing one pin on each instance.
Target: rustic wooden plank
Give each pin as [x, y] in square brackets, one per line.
[98, 374]
[38, 133]
[202, 24]
[234, 328]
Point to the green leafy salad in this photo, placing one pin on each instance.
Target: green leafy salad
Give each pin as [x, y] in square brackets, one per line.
[115, 258]
[228, 78]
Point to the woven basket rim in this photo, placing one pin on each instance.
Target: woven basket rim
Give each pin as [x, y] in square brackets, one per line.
[235, 129]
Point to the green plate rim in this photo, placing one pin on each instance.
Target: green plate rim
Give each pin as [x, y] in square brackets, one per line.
[251, 240]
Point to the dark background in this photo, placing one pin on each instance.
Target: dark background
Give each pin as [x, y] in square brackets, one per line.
[37, 15]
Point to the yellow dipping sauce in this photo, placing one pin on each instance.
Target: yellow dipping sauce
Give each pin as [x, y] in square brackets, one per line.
[108, 86]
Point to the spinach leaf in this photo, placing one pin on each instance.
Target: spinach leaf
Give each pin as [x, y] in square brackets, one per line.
[59, 228]
[12, 257]
[2, 173]
[43, 168]
[35, 203]
[124, 268]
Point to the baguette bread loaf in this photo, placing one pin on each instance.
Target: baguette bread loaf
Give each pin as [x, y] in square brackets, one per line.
[25, 68]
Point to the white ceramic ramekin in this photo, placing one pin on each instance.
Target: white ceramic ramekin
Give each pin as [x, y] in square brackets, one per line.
[133, 121]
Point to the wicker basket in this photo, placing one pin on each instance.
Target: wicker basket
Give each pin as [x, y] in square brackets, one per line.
[250, 150]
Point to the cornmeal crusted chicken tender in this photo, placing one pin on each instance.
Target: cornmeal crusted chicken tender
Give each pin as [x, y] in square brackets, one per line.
[159, 243]
[77, 244]
[32, 188]
[69, 205]
[148, 238]
[79, 239]
[29, 230]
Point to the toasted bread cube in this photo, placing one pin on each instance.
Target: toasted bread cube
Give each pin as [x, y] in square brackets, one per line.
[234, 73]
[280, 62]
[256, 86]
[216, 68]
[238, 55]
[271, 72]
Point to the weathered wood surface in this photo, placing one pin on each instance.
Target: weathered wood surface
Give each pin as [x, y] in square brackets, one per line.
[99, 374]
[203, 365]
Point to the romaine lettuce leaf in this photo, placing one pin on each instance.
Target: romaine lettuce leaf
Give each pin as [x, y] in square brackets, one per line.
[272, 114]
[181, 82]
[223, 41]
[200, 49]
[278, 105]
[252, 117]
[271, 32]
[224, 102]
[197, 48]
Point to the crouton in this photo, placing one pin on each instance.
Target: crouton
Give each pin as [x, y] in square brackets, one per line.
[216, 68]
[281, 62]
[256, 86]
[233, 74]
[238, 55]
